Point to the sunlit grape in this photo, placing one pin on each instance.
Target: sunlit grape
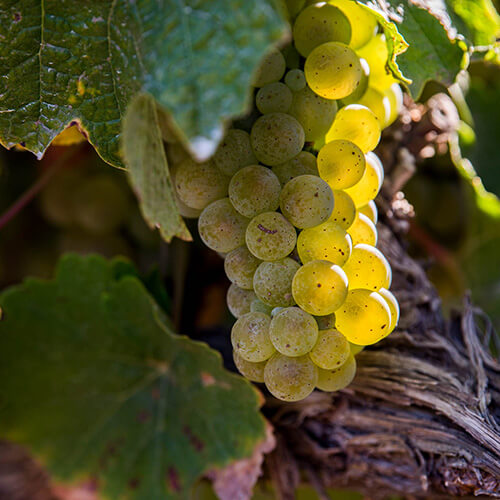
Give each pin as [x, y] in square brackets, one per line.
[344, 210]
[370, 210]
[331, 350]
[393, 307]
[337, 379]
[363, 230]
[371, 182]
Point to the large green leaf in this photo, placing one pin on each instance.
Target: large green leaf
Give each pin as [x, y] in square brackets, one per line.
[64, 61]
[93, 381]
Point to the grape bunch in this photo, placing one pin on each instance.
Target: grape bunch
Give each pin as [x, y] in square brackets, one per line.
[289, 204]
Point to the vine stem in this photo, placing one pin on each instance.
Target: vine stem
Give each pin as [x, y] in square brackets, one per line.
[39, 184]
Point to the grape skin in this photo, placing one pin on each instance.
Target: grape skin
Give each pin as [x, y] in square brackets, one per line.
[326, 322]
[340, 378]
[251, 371]
[302, 164]
[259, 306]
[331, 350]
[272, 282]
[250, 337]
[295, 80]
[344, 210]
[371, 182]
[290, 379]
[240, 266]
[239, 300]
[363, 230]
[393, 308]
[293, 332]
[355, 349]
[274, 98]
[370, 210]
[234, 152]
[271, 69]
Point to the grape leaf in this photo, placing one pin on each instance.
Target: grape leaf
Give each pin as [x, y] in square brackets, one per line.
[95, 384]
[63, 61]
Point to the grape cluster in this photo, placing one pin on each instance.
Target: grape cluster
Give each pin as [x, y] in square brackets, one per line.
[289, 204]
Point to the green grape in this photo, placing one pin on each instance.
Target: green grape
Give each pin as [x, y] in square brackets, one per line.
[176, 154]
[364, 24]
[375, 53]
[363, 230]
[319, 24]
[355, 349]
[393, 308]
[234, 152]
[370, 210]
[319, 287]
[239, 300]
[259, 306]
[276, 310]
[272, 282]
[358, 93]
[306, 201]
[295, 6]
[364, 317]
[184, 210]
[101, 205]
[371, 182]
[337, 379]
[326, 322]
[271, 69]
[331, 350]
[295, 80]
[293, 332]
[333, 70]
[357, 124]
[292, 57]
[240, 266]
[290, 379]
[302, 164]
[270, 236]
[274, 97]
[327, 241]
[378, 103]
[251, 371]
[344, 210]
[276, 138]
[341, 164]
[313, 112]
[253, 190]
[250, 337]
[368, 268]
[199, 184]
[395, 96]
[221, 227]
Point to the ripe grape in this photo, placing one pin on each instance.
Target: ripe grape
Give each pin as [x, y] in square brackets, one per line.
[271, 69]
[395, 96]
[221, 227]
[240, 266]
[199, 184]
[326, 322]
[393, 308]
[302, 164]
[378, 103]
[364, 317]
[357, 124]
[259, 306]
[250, 337]
[270, 236]
[360, 90]
[295, 80]
[327, 241]
[184, 210]
[306, 201]
[370, 210]
[313, 112]
[293, 332]
[251, 371]
[344, 210]
[272, 282]
[290, 379]
[363, 230]
[319, 24]
[295, 6]
[333, 70]
[274, 97]
[368, 268]
[234, 152]
[363, 22]
[355, 349]
[276, 138]
[239, 300]
[337, 379]
[253, 190]
[371, 182]
[331, 350]
[292, 57]
[319, 287]
[341, 164]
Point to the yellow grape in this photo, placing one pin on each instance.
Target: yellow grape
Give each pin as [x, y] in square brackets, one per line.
[371, 182]
[338, 378]
[293, 332]
[393, 307]
[319, 287]
[272, 282]
[395, 96]
[378, 103]
[239, 301]
[363, 230]
[331, 350]
[357, 124]
[234, 152]
[367, 268]
[358, 93]
[363, 22]
[327, 241]
[290, 379]
[251, 371]
[364, 317]
[250, 337]
[333, 70]
[240, 266]
[341, 163]
[274, 97]
[344, 210]
[302, 164]
[271, 69]
[355, 349]
[370, 210]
